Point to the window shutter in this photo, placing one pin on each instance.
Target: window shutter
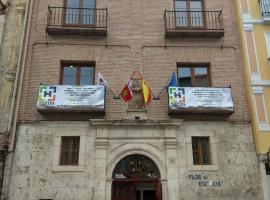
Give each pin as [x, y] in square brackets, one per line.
[267, 42]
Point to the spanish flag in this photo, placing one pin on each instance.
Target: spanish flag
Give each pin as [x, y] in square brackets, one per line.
[146, 92]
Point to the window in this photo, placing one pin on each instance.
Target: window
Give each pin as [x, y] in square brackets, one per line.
[193, 76]
[77, 74]
[201, 150]
[267, 42]
[189, 13]
[80, 12]
[70, 150]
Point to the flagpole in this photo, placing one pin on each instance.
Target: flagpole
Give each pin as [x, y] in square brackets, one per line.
[158, 97]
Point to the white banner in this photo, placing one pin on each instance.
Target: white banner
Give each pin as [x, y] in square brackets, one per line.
[200, 97]
[69, 96]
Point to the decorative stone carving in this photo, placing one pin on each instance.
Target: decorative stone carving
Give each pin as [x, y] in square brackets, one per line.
[137, 102]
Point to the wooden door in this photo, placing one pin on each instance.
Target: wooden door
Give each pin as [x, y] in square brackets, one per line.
[123, 191]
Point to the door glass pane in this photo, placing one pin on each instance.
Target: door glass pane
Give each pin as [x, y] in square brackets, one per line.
[88, 14]
[196, 16]
[181, 17]
[201, 77]
[69, 75]
[184, 77]
[149, 195]
[87, 76]
[138, 195]
[72, 12]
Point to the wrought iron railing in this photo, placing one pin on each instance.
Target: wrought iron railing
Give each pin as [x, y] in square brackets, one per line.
[79, 17]
[265, 7]
[193, 20]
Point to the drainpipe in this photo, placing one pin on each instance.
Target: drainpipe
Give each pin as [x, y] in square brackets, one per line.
[3, 155]
[17, 88]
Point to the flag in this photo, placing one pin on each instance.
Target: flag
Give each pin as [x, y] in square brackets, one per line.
[127, 93]
[173, 80]
[101, 80]
[146, 92]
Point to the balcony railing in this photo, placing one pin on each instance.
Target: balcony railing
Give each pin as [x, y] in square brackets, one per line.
[200, 100]
[194, 24]
[265, 7]
[71, 99]
[77, 21]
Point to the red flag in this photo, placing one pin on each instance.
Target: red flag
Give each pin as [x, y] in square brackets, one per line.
[127, 91]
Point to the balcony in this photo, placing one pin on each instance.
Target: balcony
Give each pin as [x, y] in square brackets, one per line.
[194, 24]
[71, 99]
[265, 10]
[77, 21]
[200, 100]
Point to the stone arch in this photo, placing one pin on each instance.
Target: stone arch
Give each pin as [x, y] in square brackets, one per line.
[146, 150]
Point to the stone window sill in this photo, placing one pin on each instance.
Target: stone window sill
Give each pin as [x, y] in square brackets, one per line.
[68, 168]
[203, 168]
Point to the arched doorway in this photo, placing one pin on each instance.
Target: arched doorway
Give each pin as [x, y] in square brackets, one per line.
[136, 177]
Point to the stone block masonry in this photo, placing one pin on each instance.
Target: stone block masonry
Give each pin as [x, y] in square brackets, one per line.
[235, 175]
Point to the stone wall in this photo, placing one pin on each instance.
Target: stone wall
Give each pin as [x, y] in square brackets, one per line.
[2, 22]
[12, 28]
[36, 174]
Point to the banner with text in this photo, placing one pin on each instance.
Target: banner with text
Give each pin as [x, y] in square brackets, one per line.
[69, 96]
[200, 97]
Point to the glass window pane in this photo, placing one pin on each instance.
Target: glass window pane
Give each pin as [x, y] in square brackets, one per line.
[71, 15]
[184, 76]
[196, 5]
[205, 152]
[181, 17]
[195, 151]
[201, 77]
[88, 14]
[69, 75]
[73, 3]
[88, 4]
[71, 12]
[87, 76]
[180, 5]
[196, 17]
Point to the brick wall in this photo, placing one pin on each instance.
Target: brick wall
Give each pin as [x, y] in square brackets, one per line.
[135, 38]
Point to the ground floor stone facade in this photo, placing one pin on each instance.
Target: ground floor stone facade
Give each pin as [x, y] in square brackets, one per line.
[265, 179]
[233, 174]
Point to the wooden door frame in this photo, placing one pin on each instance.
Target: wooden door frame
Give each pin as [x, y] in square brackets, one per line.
[157, 182]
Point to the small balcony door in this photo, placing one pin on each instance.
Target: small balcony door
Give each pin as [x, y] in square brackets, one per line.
[189, 13]
[79, 12]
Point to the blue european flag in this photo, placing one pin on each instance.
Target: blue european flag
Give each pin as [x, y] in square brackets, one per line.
[173, 81]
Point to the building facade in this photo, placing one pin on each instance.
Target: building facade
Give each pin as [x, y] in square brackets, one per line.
[255, 33]
[12, 15]
[76, 140]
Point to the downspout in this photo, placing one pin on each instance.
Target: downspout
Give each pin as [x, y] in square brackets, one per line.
[17, 72]
[21, 63]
